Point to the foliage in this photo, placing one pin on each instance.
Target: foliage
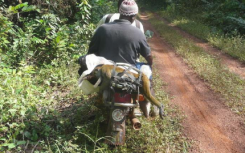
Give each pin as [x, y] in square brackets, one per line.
[5, 25]
[231, 44]
[100, 7]
[41, 107]
[155, 135]
[25, 102]
[45, 108]
[225, 15]
[45, 37]
[39, 45]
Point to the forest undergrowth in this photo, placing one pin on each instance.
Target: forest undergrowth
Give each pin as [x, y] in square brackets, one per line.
[41, 107]
[230, 43]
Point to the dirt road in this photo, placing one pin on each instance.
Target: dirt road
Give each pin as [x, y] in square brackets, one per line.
[213, 127]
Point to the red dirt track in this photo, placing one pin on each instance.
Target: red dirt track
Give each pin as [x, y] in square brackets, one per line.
[213, 127]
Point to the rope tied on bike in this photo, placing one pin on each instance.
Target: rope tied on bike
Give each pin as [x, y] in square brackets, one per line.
[126, 81]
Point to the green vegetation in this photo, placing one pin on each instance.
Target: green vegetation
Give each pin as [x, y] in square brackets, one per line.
[209, 68]
[231, 44]
[220, 23]
[41, 107]
[223, 15]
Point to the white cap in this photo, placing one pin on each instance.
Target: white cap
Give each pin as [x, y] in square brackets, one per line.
[128, 8]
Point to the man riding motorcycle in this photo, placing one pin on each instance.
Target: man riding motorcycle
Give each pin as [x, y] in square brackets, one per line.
[120, 42]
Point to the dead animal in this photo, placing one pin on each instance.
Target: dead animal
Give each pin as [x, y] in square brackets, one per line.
[106, 72]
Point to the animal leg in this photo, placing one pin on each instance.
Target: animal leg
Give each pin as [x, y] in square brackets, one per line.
[147, 93]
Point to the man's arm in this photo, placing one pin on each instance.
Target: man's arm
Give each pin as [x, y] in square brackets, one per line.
[149, 60]
[145, 50]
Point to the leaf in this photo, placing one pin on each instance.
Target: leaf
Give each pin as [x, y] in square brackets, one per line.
[28, 8]
[9, 145]
[27, 134]
[34, 135]
[20, 5]
[22, 112]
[12, 111]
[6, 41]
[14, 71]
[72, 45]
[47, 82]
[12, 9]
[58, 39]
[4, 129]
[21, 142]
[48, 29]
[3, 139]
[38, 10]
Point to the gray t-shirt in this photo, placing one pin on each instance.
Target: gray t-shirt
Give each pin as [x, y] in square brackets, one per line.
[119, 41]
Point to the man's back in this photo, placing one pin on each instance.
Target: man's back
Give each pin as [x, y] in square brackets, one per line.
[119, 42]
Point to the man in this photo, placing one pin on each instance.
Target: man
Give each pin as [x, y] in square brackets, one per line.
[119, 41]
[115, 16]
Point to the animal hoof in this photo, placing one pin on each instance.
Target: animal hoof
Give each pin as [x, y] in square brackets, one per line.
[161, 111]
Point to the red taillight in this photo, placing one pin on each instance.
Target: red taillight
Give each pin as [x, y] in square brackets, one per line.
[122, 98]
[141, 97]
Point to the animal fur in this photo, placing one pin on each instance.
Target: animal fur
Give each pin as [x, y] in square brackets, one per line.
[105, 71]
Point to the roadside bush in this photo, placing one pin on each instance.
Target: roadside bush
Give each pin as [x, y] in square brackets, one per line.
[46, 37]
[233, 45]
[39, 45]
[41, 107]
[224, 15]
[230, 41]
[28, 102]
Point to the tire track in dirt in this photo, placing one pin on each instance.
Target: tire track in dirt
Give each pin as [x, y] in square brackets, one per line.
[208, 121]
[233, 64]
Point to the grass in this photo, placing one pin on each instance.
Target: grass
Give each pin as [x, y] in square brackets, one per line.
[195, 28]
[43, 110]
[208, 67]
[230, 44]
[158, 135]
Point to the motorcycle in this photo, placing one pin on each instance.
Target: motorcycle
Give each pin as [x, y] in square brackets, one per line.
[121, 99]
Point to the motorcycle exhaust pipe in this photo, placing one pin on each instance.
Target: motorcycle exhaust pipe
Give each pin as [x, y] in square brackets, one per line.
[136, 123]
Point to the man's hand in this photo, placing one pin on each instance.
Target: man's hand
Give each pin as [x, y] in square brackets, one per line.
[149, 60]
